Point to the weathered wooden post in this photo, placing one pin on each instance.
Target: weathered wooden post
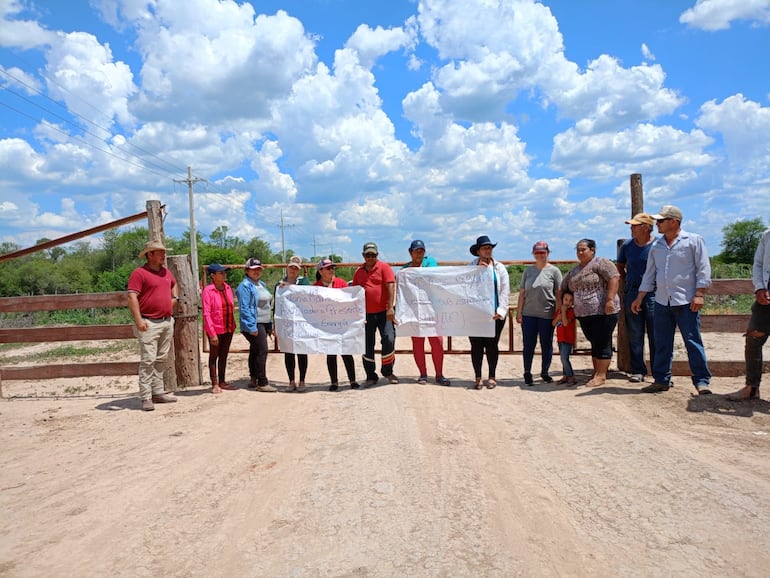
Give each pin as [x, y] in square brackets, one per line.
[186, 349]
[637, 206]
[155, 226]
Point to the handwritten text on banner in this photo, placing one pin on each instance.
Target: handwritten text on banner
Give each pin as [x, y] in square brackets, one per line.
[445, 301]
[310, 319]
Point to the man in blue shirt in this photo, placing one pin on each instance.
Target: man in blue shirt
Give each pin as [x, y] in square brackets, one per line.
[632, 263]
[679, 272]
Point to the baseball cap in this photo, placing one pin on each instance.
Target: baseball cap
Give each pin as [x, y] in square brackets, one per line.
[253, 263]
[540, 247]
[416, 244]
[324, 263]
[669, 212]
[295, 261]
[370, 248]
[216, 268]
[641, 219]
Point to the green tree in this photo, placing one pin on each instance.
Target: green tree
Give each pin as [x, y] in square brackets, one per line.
[740, 240]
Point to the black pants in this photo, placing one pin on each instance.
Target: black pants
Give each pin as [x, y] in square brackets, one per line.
[218, 357]
[488, 345]
[288, 360]
[258, 354]
[350, 367]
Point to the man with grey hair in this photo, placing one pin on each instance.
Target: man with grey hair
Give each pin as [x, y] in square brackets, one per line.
[679, 272]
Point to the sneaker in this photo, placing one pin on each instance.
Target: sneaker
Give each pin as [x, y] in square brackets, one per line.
[393, 379]
[266, 388]
[422, 380]
[703, 389]
[546, 378]
[147, 405]
[334, 387]
[528, 379]
[656, 388]
[163, 398]
[636, 378]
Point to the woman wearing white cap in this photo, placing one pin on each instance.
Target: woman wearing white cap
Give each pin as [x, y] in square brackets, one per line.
[293, 269]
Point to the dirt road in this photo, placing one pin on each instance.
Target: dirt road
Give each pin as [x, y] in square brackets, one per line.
[396, 480]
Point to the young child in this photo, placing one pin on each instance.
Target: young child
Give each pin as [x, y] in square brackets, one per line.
[566, 335]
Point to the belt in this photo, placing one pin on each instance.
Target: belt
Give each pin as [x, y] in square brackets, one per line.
[157, 319]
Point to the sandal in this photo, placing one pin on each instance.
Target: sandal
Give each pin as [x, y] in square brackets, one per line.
[491, 383]
[227, 386]
[443, 381]
[215, 389]
[563, 380]
[478, 383]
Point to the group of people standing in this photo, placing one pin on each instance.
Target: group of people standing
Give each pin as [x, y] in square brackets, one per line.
[665, 280]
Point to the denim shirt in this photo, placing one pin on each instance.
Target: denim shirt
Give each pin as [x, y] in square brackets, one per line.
[760, 273]
[254, 304]
[675, 272]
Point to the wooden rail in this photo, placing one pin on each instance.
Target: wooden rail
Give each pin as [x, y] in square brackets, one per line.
[709, 324]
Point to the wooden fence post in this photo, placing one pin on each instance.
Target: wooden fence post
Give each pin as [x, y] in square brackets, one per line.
[186, 348]
[637, 206]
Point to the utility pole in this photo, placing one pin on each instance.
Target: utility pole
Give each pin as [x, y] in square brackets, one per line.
[193, 234]
[283, 243]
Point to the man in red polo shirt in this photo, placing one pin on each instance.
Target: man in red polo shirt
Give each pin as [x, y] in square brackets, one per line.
[379, 283]
[152, 294]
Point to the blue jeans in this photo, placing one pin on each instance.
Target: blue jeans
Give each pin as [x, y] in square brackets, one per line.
[379, 322]
[565, 350]
[637, 324]
[667, 319]
[532, 330]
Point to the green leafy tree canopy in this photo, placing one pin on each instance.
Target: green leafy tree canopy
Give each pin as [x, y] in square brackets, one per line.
[740, 240]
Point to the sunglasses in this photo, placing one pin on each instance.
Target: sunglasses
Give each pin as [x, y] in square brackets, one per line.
[664, 220]
[370, 255]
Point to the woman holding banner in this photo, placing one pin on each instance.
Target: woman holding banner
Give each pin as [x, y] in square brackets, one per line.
[482, 250]
[293, 278]
[419, 259]
[326, 278]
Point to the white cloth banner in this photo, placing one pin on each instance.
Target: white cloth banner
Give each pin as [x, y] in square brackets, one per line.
[314, 319]
[445, 301]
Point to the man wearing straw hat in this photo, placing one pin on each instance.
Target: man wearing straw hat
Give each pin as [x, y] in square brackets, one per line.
[152, 294]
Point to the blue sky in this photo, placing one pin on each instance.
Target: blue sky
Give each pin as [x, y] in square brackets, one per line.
[386, 121]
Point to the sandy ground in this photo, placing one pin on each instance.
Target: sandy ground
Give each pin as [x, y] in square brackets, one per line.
[395, 480]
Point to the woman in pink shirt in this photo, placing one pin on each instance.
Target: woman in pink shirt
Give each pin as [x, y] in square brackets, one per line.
[218, 324]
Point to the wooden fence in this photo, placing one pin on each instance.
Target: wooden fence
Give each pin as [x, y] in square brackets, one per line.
[709, 323]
